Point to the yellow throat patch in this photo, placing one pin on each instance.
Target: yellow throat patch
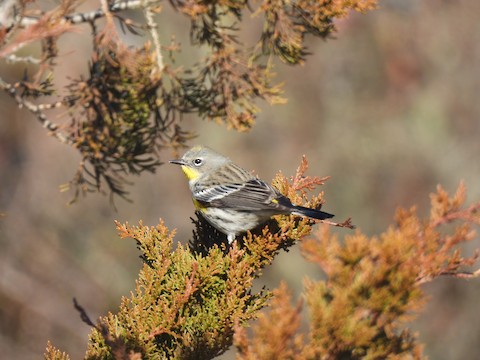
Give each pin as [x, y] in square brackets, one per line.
[190, 173]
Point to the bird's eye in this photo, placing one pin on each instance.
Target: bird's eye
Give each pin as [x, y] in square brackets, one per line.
[197, 162]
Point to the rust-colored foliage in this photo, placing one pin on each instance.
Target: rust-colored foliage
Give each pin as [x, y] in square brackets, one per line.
[372, 287]
[276, 331]
[187, 303]
[194, 302]
[288, 22]
[54, 354]
[123, 82]
[50, 25]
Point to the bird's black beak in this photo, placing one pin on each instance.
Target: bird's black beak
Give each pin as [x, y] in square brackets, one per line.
[178, 162]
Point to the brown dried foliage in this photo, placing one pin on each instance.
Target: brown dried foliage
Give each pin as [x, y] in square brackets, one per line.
[187, 303]
[122, 82]
[54, 354]
[195, 302]
[372, 288]
[280, 341]
[288, 22]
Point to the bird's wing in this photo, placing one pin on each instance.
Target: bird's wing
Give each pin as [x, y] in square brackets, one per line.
[251, 195]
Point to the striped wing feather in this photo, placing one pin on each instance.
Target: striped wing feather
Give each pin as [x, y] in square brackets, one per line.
[251, 195]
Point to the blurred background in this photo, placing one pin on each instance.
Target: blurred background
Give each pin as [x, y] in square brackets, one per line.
[389, 109]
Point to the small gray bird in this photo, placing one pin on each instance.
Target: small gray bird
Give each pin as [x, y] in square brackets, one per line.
[232, 199]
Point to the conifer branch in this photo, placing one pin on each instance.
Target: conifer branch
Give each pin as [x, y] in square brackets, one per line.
[36, 110]
[137, 95]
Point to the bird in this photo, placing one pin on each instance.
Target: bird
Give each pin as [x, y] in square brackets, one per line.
[232, 199]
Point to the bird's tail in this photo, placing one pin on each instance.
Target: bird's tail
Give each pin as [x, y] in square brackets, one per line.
[311, 213]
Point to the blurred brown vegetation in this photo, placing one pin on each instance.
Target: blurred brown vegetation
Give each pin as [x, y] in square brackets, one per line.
[194, 305]
[388, 109]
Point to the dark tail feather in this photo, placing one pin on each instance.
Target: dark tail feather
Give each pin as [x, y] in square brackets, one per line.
[311, 213]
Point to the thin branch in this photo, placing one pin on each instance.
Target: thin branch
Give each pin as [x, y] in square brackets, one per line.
[345, 224]
[106, 11]
[83, 315]
[466, 214]
[459, 275]
[37, 110]
[152, 26]
[92, 15]
[12, 58]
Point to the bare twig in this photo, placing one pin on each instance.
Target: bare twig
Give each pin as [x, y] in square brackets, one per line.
[12, 58]
[346, 224]
[459, 275]
[37, 110]
[92, 15]
[152, 26]
[83, 314]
